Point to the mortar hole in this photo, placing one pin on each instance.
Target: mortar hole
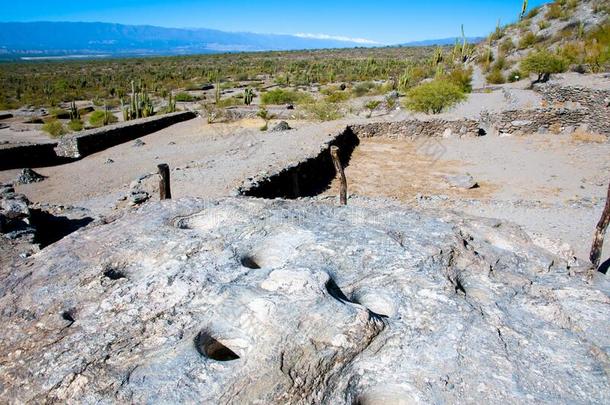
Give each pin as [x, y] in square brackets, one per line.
[68, 316]
[249, 262]
[335, 292]
[211, 348]
[114, 274]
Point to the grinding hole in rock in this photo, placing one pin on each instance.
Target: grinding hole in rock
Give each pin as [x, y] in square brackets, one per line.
[68, 316]
[211, 348]
[249, 262]
[335, 292]
[114, 273]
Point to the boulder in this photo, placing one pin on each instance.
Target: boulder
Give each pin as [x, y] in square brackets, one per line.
[269, 301]
[464, 181]
[281, 126]
[28, 176]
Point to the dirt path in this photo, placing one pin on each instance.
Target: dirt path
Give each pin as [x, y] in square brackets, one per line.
[549, 184]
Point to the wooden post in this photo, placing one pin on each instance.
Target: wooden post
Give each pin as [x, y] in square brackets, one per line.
[296, 188]
[164, 188]
[334, 153]
[598, 239]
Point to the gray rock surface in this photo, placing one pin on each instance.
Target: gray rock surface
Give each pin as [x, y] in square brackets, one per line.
[258, 301]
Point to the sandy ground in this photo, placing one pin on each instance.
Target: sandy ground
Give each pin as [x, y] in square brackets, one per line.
[206, 160]
[551, 185]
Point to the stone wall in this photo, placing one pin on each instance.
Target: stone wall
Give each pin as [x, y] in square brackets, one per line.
[542, 120]
[13, 156]
[95, 140]
[418, 128]
[596, 102]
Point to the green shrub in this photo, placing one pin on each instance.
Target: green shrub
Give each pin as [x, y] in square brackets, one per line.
[495, 77]
[99, 118]
[543, 24]
[507, 45]
[543, 63]
[54, 128]
[337, 97]
[528, 39]
[462, 78]
[283, 96]
[434, 96]
[323, 110]
[554, 11]
[362, 89]
[372, 106]
[75, 125]
[514, 76]
[184, 97]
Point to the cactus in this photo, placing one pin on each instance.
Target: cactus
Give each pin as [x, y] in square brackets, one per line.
[437, 58]
[217, 92]
[74, 114]
[464, 45]
[171, 103]
[140, 103]
[248, 96]
[523, 9]
[404, 81]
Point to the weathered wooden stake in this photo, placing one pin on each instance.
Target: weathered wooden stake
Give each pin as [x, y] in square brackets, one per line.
[598, 239]
[334, 152]
[164, 188]
[296, 188]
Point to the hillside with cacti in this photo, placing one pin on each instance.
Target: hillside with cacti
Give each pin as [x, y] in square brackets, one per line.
[564, 35]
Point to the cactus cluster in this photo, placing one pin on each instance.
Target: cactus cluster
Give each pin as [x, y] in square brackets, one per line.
[248, 96]
[74, 114]
[171, 103]
[140, 104]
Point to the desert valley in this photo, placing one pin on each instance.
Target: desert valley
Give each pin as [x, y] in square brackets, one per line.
[359, 225]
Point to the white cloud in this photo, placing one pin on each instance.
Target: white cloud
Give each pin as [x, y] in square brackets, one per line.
[337, 38]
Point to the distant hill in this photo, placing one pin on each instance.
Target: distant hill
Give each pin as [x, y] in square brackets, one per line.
[443, 41]
[47, 39]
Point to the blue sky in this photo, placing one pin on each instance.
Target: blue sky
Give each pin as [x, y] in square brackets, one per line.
[386, 22]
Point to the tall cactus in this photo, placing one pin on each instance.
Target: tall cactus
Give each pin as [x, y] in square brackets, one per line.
[523, 9]
[248, 96]
[140, 104]
[74, 114]
[217, 92]
[464, 44]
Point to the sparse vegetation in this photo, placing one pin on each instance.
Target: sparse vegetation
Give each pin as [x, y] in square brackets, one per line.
[266, 116]
[434, 96]
[284, 96]
[323, 110]
[582, 136]
[543, 63]
[100, 118]
[75, 125]
[184, 97]
[54, 128]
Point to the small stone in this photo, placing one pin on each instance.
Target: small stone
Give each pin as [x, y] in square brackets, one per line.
[29, 176]
[108, 161]
[463, 181]
[139, 197]
[281, 126]
[138, 142]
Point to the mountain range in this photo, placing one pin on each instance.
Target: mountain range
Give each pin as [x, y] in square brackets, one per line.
[32, 40]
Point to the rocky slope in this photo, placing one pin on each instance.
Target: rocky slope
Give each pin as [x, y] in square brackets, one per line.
[259, 301]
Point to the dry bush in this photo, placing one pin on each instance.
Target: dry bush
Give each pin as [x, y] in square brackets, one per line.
[580, 135]
[555, 128]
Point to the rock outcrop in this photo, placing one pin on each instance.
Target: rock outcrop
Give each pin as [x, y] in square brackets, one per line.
[258, 301]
